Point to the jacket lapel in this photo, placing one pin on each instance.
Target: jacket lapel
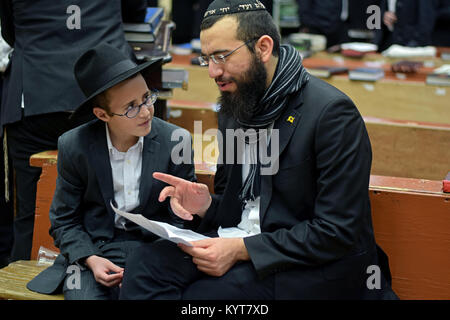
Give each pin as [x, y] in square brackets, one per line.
[150, 159]
[101, 164]
[285, 125]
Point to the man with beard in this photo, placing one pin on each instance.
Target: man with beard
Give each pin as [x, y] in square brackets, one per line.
[303, 230]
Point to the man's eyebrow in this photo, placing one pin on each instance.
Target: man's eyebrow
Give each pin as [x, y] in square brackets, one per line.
[215, 52]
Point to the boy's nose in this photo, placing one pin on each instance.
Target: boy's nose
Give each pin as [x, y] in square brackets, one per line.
[144, 112]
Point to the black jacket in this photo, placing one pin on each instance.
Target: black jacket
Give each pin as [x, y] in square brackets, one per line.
[414, 26]
[315, 211]
[81, 217]
[45, 50]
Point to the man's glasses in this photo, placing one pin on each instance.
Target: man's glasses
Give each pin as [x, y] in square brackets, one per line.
[220, 58]
[133, 111]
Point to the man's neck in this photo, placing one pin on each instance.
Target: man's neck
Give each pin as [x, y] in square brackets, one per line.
[271, 66]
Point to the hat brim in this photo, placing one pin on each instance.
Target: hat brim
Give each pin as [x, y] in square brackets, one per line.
[85, 108]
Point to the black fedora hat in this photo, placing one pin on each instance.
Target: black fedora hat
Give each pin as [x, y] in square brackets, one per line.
[101, 68]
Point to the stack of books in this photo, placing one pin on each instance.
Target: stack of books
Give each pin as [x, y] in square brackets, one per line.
[366, 74]
[445, 53]
[326, 71]
[142, 35]
[439, 76]
[174, 78]
[357, 49]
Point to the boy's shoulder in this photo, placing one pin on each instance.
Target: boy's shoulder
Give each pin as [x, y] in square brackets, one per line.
[82, 131]
[167, 129]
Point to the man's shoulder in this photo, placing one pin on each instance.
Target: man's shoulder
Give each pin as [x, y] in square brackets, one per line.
[322, 92]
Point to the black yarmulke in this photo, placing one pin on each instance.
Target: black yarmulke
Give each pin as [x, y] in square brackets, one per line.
[222, 7]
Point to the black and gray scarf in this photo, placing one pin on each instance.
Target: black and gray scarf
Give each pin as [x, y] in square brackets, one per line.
[289, 77]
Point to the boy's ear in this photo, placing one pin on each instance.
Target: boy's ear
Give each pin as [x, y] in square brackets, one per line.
[101, 114]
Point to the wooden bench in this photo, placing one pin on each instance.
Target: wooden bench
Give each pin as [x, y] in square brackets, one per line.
[14, 278]
[411, 222]
[409, 149]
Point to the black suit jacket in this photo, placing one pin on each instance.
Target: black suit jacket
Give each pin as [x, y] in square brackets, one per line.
[414, 26]
[45, 51]
[314, 211]
[81, 216]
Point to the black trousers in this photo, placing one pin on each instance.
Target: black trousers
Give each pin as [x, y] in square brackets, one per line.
[115, 251]
[6, 214]
[162, 271]
[29, 136]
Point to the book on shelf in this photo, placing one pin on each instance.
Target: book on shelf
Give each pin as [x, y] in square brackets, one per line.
[154, 16]
[445, 56]
[438, 79]
[444, 53]
[326, 71]
[139, 37]
[147, 30]
[366, 74]
[174, 78]
[406, 66]
[440, 76]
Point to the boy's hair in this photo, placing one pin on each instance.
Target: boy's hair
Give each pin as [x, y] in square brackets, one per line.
[101, 100]
[251, 25]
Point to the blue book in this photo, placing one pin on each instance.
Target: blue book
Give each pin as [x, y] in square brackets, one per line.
[366, 74]
[154, 16]
[151, 23]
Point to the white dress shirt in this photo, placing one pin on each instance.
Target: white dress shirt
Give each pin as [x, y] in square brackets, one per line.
[126, 174]
[250, 224]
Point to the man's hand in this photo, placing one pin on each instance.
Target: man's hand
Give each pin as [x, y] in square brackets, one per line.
[215, 256]
[105, 272]
[186, 198]
[389, 19]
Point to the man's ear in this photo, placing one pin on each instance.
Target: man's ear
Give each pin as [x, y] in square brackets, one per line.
[264, 47]
[101, 114]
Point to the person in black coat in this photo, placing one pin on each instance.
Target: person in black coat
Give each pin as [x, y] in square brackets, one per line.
[40, 91]
[441, 29]
[294, 225]
[108, 160]
[407, 23]
[339, 21]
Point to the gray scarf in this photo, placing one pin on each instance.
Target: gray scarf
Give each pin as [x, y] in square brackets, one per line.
[289, 77]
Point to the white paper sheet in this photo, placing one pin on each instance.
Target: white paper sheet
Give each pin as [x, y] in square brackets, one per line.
[162, 229]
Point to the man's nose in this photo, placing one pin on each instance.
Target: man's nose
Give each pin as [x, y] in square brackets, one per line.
[215, 70]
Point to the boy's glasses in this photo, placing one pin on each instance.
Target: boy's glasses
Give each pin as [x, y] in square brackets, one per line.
[133, 111]
[220, 58]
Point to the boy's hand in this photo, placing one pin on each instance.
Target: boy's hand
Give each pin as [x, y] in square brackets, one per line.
[105, 272]
[186, 198]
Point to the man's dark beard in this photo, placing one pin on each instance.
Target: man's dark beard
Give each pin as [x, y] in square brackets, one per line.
[243, 104]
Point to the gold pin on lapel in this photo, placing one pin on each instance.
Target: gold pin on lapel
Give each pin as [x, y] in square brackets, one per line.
[291, 119]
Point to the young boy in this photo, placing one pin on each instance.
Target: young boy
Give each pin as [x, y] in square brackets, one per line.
[111, 158]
